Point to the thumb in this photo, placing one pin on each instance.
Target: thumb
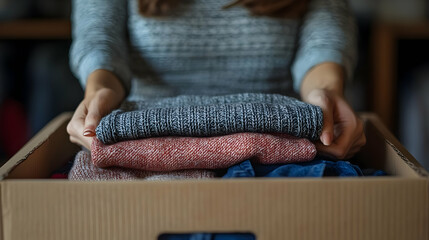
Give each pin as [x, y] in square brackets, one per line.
[100, 105]
[323, 100]
[327, 136]
[93, 118]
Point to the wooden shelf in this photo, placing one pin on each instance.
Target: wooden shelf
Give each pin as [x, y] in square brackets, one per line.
[411, 30]
[36, 29]
[385, 60]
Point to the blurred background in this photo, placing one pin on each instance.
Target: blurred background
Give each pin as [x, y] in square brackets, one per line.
[391, 79]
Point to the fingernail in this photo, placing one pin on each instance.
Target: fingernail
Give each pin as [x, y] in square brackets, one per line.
[88, 133]
[326, 140]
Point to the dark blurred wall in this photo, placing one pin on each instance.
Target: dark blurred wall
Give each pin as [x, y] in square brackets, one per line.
[411, 52]
[35, 80]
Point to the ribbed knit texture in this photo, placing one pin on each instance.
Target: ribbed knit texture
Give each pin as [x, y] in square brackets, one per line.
[83, 169]
[201, 49]
[204, 116]
[176, 153]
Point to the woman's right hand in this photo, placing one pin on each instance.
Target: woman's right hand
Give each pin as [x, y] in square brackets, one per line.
[104, 93]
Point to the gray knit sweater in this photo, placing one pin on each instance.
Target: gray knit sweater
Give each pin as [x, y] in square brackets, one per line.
[210, 116]
[201, 49]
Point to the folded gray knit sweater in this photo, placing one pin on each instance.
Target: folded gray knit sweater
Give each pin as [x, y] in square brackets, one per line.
[202, 116]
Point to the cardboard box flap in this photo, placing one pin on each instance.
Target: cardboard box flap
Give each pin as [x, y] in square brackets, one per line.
[384, 151]
[371, 208]
[47, 151]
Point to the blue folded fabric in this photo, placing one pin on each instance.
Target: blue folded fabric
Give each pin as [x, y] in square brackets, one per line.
[315, 168]
[204, 116]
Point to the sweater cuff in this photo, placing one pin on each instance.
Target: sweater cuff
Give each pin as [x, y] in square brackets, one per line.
[96, 60]
[304, 63]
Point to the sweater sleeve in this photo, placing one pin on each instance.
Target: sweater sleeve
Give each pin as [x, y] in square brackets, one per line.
[99, 29]
[327, 34]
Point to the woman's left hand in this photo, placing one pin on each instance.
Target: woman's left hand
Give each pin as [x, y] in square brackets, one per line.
[342, 133]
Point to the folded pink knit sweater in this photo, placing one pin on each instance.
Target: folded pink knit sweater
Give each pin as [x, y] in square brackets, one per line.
[176, 153]
[83, 169]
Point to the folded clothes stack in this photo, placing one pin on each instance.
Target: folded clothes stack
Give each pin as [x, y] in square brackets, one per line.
[199, 137]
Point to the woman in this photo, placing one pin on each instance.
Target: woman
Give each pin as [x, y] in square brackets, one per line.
[152, 48]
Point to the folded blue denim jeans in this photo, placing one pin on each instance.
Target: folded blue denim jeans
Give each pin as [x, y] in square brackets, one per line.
[315, 168]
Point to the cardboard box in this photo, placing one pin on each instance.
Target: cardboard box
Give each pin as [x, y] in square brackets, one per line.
[393, 207]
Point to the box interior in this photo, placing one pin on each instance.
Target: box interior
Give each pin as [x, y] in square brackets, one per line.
[50, 149]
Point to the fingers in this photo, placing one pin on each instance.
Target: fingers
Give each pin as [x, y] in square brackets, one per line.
[84, 142]
[342, 134]
[334, 151]
[92, 118]
[358, 145]
[322, 99]
[100, 105]
[88, 114]
[76, 125]
[349, 142]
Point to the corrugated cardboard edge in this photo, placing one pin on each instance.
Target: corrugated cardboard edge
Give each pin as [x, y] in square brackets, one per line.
[393, 142]
[35, 142]
[372, 208]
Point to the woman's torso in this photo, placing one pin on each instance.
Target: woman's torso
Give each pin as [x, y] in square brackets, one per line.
[201, 49]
